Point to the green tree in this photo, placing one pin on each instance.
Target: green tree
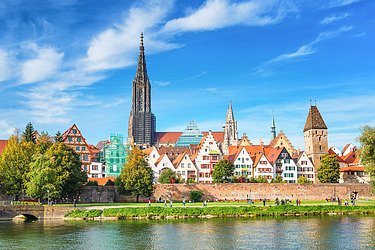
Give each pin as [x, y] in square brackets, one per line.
[92, 183]
[303, 180]
[367, 140]
[277, 179]
[136, 176]
[196, 195]
[28, 134]
[14, 166]
[168, 176]
[43, 143]
[68, 166]
[43, 179]
[329, 169]
[58, 137]
[223, 171]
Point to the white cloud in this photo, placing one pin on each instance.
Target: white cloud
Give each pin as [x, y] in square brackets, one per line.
[46, 63]
[5, 66]
[338, 3]
[6, 130]
[334, 18]
[162, 83]
[302, 52]
[116, 46]
[216, 14]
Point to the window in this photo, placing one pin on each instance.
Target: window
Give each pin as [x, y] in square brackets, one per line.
[303, 162]
[94, 167]
[153, 156]
[320, 148]
[189, 165]
[85, 168]
[94, 176]
[114, 168]
[79, 139]
[74, 131]
[182, 165]
[205, 157]
[83, 148]
[85, 157]
[286, 160]
[77, 148]
[69, 138]
[183, 172]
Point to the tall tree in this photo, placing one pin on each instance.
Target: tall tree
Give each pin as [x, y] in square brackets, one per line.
[43, 143]
[167, 176]
[43, 179]
[367, 140]
[67, 163]
[28, 134]
[329, 169]
[136, 176]
[14, 165]
[223, 171]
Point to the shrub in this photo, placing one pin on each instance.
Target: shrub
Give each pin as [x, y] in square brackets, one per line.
[196, 195]
[109, 183]
[92, 183]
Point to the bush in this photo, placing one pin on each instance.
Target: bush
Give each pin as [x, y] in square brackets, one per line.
[109, 183]
[92, 183]
[253, 180]
[196, 195]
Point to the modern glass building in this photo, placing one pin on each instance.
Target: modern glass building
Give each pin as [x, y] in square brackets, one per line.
[191, 136]
[114, 155]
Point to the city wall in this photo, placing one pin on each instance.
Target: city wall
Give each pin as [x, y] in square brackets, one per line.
[233, 191]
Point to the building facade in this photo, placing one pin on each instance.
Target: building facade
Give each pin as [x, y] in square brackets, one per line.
[142, 122]
[114, 155]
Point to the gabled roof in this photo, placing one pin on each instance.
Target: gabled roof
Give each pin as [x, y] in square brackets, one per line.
[279, 137]
[256, 159]
[273, 153]
[159, 159]
[314, 120]
[178, 160]
[218, 136]
[167, 137]
[148, 151]
[350, 158]
[3, 144]
[331, 152]
[101, 144]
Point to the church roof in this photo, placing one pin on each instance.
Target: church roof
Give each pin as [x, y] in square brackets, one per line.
[167, 137]
[314, 120]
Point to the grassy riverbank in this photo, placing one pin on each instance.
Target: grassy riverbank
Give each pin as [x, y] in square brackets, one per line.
[225, 211]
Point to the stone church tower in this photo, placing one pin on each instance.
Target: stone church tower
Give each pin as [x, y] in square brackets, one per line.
[230, 130]
[142, 122]
[315, 135]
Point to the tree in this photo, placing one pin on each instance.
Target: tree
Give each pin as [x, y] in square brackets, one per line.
[58, 137]
[303, 180]
[329, 169]
[168, 176]
[367, 140]
[14, 166]
[28, 134]
[67, 163]
[43, 179]
[136, 176]
[43, 143]
[223, 171]
[262, 179]
[92, 183]
[277, 179]
[196, 195]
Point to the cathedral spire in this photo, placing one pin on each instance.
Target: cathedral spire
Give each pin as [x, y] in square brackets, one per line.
[230, 130]
[230, 116]
[141, 73]
[273, 127]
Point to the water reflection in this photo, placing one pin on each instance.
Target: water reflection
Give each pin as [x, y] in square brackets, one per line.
[318, 233]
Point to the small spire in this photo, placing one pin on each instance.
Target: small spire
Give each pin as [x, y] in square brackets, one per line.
[141, 44]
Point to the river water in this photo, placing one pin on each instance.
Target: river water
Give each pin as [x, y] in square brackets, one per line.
[329, 232]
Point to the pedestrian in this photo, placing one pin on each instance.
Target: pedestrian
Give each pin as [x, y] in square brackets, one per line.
[264, 202]
[204, 203]
[277, 201]
[74, 202]
[346, 203]
[184, 202]
[170, 204]
[149, 203]
[165, 203]
[299, 202]
[338, 201]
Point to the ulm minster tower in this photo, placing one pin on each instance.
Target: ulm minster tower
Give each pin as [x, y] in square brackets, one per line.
[142, 122]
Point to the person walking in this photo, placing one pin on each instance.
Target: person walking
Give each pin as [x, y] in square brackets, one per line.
[184, 202]
[171, 204]
[165, 203]
[149, 202]
[264, 202]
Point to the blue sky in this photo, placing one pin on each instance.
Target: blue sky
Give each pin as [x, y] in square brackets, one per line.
[73, 61]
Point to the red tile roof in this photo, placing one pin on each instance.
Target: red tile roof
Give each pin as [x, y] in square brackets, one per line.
[273, 153]
[167, 137]
[353, 168]
[350, 158]
[3, 144]
[102, 181]
[331, 152]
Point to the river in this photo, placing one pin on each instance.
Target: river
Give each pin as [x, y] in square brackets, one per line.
[328, 232]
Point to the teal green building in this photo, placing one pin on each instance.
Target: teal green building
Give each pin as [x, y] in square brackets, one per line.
[191, 136]
[113, 154]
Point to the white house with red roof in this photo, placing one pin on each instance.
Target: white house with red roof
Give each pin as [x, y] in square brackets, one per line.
[242, 162]
[283, 163]
[185, 168]
[305, 167]
[263, 167]
[208, 153]
[162, 163]
[348, 148]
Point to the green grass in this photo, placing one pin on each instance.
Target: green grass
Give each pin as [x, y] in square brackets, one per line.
[233, 211]
[84, 213]
[218, 204]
